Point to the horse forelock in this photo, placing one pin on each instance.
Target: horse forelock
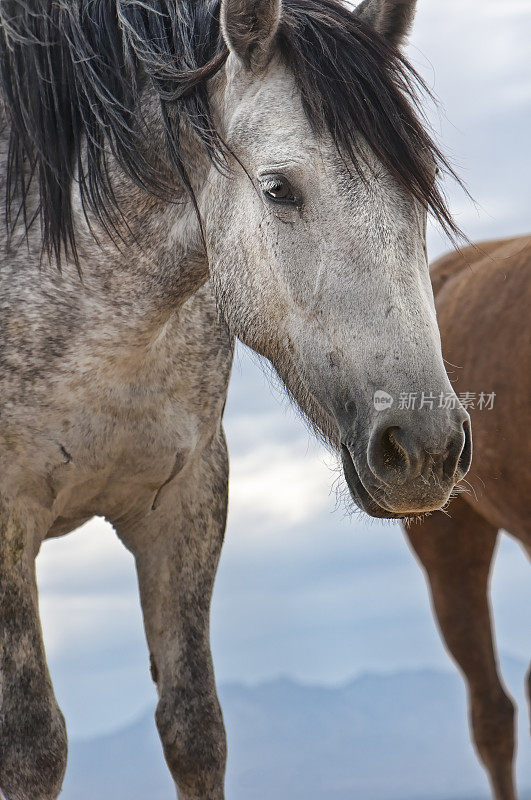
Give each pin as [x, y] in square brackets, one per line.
[72, 73]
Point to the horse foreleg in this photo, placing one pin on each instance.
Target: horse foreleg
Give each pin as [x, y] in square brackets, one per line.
[33, 745]
[177, 548]
[456, 552]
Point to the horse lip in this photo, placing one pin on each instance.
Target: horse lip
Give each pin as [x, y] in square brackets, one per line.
[361, 496]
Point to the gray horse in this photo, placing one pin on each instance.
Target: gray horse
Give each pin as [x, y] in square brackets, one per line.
[177, 173]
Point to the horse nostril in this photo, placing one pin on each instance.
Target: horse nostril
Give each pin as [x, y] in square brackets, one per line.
[393, 455]
[459, 453]
[465, 459]
[397, 454]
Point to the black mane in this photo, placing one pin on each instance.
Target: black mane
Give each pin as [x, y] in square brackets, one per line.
[71, 74]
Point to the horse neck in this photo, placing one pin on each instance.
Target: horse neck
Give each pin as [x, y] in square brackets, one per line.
[153, 263]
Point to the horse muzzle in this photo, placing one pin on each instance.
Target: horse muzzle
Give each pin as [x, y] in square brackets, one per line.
[410, 463]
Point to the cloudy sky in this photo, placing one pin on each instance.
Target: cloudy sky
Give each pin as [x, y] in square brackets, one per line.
[303, 589]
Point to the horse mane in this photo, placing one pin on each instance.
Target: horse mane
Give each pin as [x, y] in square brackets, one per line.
[72, 73]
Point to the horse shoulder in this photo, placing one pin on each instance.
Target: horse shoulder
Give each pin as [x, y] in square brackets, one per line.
[456, 261]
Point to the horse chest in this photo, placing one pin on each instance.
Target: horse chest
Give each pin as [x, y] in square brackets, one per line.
[116, 412]
[112, 462]
[106, 454]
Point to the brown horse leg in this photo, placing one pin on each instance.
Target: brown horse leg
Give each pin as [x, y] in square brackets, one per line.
[177, 548]
[456, 553]
[528, 691]
[32, 729]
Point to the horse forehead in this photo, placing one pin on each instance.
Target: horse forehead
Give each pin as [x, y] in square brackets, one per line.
[268, 108]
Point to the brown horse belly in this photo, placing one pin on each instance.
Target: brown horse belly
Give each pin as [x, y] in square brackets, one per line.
[483, 303]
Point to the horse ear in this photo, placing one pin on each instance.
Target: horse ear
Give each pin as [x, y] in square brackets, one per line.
[392, 18]
[249, 28]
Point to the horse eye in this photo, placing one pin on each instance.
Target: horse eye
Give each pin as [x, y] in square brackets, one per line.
[278, 189]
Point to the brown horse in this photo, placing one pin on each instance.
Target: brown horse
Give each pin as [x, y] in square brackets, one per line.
[483, 299]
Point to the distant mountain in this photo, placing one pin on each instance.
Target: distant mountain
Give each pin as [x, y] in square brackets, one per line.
[381, 737]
